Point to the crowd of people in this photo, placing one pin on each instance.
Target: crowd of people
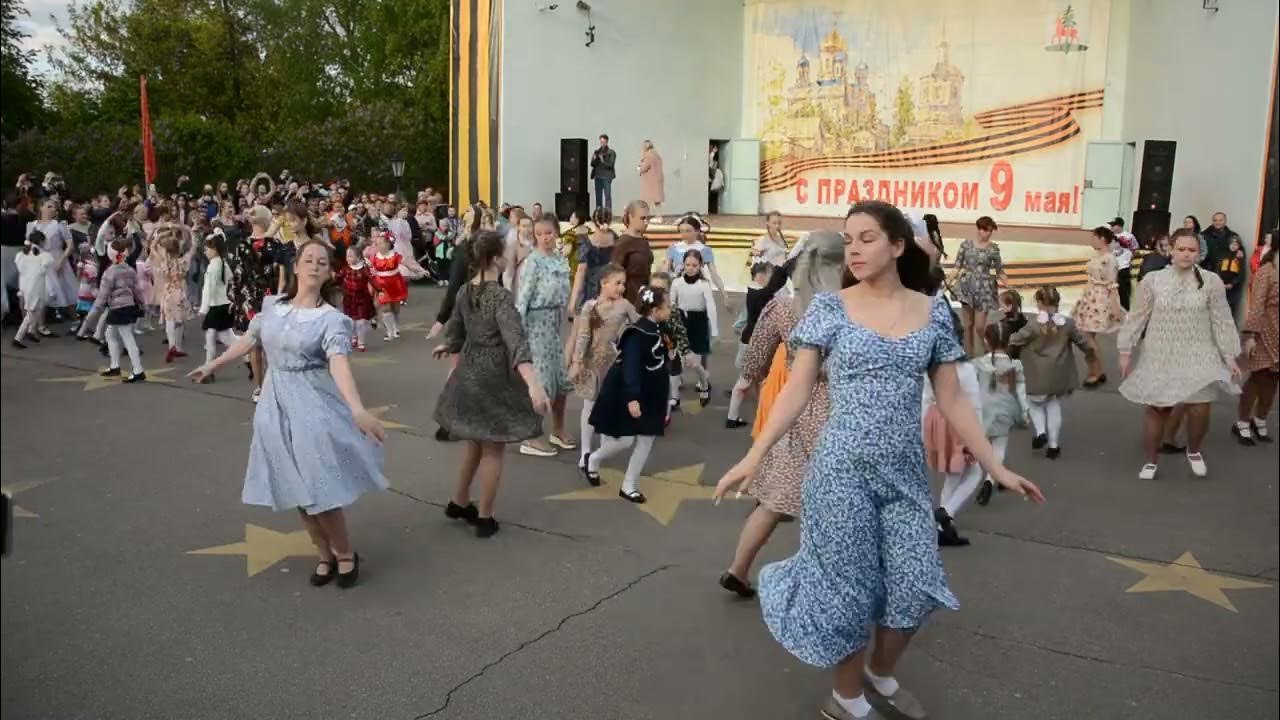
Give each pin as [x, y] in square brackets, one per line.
[866, 379]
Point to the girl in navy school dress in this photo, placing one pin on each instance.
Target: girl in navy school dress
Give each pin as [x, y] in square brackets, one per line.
[315, 447]
[631, 409]
[868, 550]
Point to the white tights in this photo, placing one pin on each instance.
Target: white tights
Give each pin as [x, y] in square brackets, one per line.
[392, 323]
[362, 331]
[586, 432]
[118, 335]
[30, 322]
[173, 331]
[610, 446]
[1046, 415]
[212, 338]
[957, 488]
[736, 397]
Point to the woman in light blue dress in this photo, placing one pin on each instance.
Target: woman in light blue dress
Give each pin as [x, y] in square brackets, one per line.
[314, 447]
[542, 299]
[868, 550]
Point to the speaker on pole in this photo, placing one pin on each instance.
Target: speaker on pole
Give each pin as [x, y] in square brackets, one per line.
[573, 165]
[1149, 224]
[1156, 181]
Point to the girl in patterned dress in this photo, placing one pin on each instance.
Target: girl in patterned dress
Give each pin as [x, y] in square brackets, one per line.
[357, 293]
[87, 272]
[493, 396]
[630, 411]
[170, 265]
[541, 299]
[1261, 352]
[1098, 309]
[593, 346]
[868, 550]
[390, 284]
[777, 483]
[1189, 348]
[979, 273]
[315, 447]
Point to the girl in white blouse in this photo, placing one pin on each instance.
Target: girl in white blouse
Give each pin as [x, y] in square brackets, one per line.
[691, 294]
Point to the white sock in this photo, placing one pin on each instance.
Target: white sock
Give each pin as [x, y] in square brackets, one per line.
[1053, 416]
[394, 321]
[964, 489]
[674, 382]
[386, 323]
[704, 375]
[210, 345]
[586, 432]
[735, 401]
[886, 686]
[609, 446]
[858, 706]
[362, 331]
[635, 465]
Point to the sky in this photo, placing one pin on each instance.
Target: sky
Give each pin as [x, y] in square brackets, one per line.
[42, 29]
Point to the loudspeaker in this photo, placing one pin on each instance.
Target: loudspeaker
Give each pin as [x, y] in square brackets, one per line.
[1148, 224]
[573, 165]
[1156, 181]
[568, 203]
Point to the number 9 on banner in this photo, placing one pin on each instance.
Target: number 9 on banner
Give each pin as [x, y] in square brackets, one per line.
[1001, 185]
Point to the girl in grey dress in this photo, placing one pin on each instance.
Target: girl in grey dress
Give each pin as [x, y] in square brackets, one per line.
[315, 447]
[493, 397]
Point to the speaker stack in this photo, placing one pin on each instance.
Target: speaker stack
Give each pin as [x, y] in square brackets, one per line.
[1154, 187]
[574, 197]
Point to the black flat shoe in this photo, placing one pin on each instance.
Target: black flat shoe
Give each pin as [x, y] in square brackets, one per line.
[730, 582]
[947, 534]
[486, 527]
[33, 338]
[136, 378]
[593, 478]
[349, 579]
[318, 580]
[1262, 434]
[443, 435]
[110, 372]
[1053, 453]
[1039, 441]
[634, 496]
[734, 423]
[455, 511]
[17, 344]
[984, 492]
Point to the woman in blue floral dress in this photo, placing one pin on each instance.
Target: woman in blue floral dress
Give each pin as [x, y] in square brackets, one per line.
[541, 299]
[868, 550]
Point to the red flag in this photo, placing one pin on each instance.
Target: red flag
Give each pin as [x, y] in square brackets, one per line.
[148, 149]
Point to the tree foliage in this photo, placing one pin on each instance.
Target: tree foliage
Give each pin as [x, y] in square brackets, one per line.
[20, 106]
[904, 115]
[331, 87]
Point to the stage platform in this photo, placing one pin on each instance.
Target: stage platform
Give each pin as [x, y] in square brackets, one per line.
[1033, 256]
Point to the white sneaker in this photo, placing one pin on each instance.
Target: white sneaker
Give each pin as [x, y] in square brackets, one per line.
[1260, 430]
[395, 335]
[1148, 472]
[1198, 468]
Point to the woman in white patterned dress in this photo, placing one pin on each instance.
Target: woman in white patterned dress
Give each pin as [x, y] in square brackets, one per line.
[1099, 310]
[1189, 346]
[315, 447]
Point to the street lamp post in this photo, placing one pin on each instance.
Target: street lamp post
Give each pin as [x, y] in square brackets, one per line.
[397, 170]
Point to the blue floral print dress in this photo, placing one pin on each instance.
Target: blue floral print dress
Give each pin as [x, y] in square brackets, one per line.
[868, 545]
[541, 298]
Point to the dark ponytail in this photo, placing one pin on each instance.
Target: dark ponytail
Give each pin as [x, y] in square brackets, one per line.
[481, 251]
[913, 264]
[650, 298]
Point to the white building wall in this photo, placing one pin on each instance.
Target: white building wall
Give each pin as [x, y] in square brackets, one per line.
[665, 70]
[1204, 79]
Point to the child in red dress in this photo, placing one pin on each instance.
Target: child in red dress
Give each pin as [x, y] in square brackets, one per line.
[392, 288]
[357, 293]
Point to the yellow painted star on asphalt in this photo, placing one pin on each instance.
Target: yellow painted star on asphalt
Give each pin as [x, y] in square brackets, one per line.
[20, 487]
[1186, 575]
[381, 412]
[263, 547]
[664, 491]
[95, 381]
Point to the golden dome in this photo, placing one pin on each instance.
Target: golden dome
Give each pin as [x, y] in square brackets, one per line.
[833, 42]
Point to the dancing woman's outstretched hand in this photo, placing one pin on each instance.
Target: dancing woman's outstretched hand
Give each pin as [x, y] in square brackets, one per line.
[1011, 480]
[735, 477]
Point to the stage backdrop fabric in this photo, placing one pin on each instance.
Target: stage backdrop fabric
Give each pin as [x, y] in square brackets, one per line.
[961, 108]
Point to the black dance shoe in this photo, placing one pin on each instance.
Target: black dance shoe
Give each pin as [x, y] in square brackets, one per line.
[734, 423]
[947, 534]
[730, 582]
[984, 492]
[486, 527]
[1039, 441]
[1053, 453]
[455, 511]
[110, 372]
[349, 579]
[318, 580]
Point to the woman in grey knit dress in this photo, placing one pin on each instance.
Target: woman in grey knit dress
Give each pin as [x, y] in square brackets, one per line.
[493, 397]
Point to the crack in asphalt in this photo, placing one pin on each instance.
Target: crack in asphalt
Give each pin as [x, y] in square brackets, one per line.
[1101, 661]
[527, 643]
[530, 528]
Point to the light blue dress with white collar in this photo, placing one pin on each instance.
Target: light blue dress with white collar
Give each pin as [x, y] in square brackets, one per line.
[306, 450]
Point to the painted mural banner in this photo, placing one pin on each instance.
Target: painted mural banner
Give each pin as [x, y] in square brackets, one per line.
[961, 108]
